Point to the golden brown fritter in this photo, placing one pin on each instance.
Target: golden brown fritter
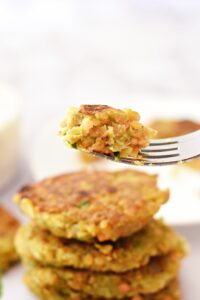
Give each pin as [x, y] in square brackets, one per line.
[107, 130]
[135, 251]
[170, 292]
[145, 280]
[99, 205]
[93, 109]
[8, 228]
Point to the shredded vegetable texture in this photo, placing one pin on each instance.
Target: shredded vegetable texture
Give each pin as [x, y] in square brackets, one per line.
[107, 130]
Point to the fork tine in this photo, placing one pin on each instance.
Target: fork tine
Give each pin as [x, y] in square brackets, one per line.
[162, 142]
[159, 163]
[160, 156]
[150, 162]
[161, 149]
[189, 137]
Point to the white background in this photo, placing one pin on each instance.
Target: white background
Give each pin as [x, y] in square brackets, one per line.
[58, 52]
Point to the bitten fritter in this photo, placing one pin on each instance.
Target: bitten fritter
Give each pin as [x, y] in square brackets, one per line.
[89, 206]
[107, 130]
[135, 251]
[8, 228]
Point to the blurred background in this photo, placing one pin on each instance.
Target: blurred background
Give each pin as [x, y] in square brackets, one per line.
[57, 51]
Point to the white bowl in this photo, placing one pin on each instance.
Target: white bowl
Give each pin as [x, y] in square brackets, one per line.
[9, 133]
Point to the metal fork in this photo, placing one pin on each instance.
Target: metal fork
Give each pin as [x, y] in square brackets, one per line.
[163, 152]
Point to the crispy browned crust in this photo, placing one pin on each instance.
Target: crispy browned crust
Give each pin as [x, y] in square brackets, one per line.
[93, 109]
[105, 205]
[169, 128]
[56, 194]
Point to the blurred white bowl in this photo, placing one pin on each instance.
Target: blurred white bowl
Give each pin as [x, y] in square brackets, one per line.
[9, 133]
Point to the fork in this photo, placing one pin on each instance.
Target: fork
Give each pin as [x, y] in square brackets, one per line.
[163, 152]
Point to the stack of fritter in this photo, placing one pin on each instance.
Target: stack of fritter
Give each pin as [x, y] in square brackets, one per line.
[92, 236]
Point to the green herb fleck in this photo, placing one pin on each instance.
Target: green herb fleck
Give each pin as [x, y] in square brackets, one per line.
[117, 155]
[83, 203]
[74, 146]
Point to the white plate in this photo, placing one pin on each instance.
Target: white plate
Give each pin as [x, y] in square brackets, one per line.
[50, 157]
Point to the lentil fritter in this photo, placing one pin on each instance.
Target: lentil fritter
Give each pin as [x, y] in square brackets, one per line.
[8, 228]
[135, 251]
[170, 292]
[107, 130]
[98, 205]
[145, 280]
